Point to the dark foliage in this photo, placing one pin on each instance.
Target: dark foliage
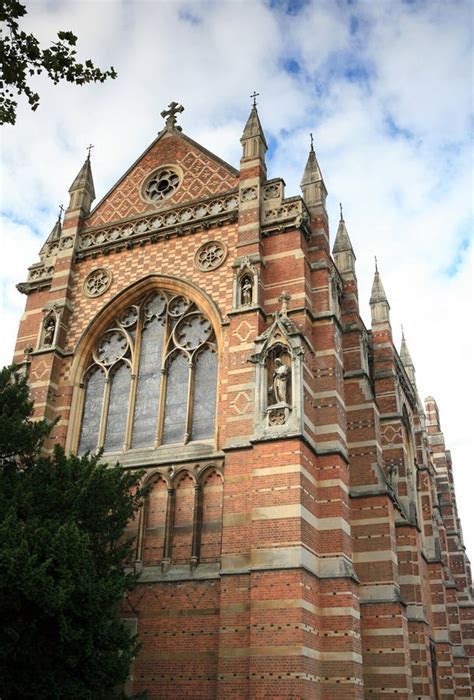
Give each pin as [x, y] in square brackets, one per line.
[62, 553]
[22, 57]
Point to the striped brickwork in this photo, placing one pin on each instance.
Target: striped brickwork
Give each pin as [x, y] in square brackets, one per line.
[321, 560]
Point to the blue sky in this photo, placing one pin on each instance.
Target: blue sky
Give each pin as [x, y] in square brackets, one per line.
[385, 87]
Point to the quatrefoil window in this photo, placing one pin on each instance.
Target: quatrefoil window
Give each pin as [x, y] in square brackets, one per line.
[160, 185]
[210, 256]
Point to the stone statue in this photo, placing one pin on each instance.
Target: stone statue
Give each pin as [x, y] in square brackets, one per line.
[49, 329]
[280, 381]
[246, 292]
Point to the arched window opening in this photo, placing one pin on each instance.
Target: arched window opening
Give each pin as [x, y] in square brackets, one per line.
[181, 546]
[152, 378]
[117, 413]
[204, 398]
[155, 522]
[211, 532]
[148, 384]
[91, 415]
[176, 407]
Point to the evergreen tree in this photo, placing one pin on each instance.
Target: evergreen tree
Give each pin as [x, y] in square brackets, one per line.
[62, 554]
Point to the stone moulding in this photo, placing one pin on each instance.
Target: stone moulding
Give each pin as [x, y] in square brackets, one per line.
[176, 221]
[39, 277]
[287, 214]
[277, 216]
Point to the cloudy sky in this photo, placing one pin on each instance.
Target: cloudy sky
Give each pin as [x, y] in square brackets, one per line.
[384, 85]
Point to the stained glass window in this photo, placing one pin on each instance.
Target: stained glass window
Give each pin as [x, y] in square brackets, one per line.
[148, 385]
[176, 399]
[159, 361]
[204, 403]
[92, 411]
[117, 414]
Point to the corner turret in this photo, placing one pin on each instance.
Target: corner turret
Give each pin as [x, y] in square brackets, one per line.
[380, 308]
[82, 189]
[253, 140]
[407, 362]
[342, 251]
[312, 184]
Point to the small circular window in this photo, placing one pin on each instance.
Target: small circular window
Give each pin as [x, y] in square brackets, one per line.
[161, 185]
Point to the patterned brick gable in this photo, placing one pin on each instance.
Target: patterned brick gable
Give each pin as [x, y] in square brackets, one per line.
[203, 175]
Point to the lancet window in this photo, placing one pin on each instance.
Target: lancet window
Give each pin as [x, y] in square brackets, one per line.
[152, 378]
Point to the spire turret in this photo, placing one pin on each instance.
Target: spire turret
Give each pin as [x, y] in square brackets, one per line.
[407, 362]
[253, 139]
[342, 250]
[82, 189]
[378, 300]
[55, 235]
[312, 184]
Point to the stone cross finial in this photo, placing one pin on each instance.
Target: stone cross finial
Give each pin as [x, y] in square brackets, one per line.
[89, 149]
[170, 114]
[61, 211]
[254, 96]
[284, 298]
[376, 266]
[312, 143]
[340, 210]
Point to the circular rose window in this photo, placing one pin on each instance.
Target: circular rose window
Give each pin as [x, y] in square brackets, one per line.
[161, 185]
[210, 256]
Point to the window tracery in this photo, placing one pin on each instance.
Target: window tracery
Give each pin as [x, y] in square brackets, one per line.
[152, 378]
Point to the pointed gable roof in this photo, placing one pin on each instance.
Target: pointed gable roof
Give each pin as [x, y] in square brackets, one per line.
[202, 174]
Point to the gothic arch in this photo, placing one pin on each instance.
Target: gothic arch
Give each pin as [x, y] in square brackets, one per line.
[210, 515]
[200, 305]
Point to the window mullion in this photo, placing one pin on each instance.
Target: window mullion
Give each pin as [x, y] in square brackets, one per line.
[189, 407]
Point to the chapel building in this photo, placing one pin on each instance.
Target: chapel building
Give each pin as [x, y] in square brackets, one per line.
[300, 538]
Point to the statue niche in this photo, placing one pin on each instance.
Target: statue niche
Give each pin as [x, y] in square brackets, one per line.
[49, 330]
[279, 385]
[278, 361]
[246, 290]
[245, 283]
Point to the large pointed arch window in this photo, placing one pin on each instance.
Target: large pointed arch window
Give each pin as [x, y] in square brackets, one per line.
[151, 379]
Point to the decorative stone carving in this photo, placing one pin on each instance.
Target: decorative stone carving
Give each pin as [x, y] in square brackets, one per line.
[160, 185]
[245, 287]
[277, 416]
[272, 191]
[193, 331]
[279, 375]
[111, 347]
[248, 193]
[210, 256]
[97, 282]
[286, 214]
[222, 209]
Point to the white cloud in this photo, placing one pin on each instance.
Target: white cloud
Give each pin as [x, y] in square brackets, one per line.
[386, 89]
